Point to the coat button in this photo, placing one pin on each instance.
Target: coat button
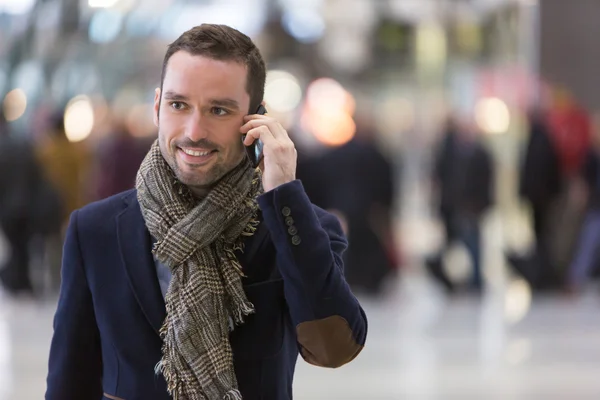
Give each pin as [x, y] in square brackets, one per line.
[289, 221]
[292, 230]
[296, 240]
[286, 211]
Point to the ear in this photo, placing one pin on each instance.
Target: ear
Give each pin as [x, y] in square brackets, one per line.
[157, 95]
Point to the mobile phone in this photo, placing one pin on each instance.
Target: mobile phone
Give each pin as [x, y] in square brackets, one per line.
[255, 150]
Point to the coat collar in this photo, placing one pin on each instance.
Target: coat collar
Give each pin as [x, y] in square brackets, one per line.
[135, 245]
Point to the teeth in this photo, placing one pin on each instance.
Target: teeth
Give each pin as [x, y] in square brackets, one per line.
[196, 153]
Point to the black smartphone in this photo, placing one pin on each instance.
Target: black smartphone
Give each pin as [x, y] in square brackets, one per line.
[255, 150]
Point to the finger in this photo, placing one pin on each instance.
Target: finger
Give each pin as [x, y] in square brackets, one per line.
[274, 148]
[256, 122]
[262, 132]
[250, 138]
[275, 127]
[256, 116]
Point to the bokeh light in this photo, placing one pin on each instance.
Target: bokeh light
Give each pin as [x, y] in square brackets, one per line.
[327, 94]
[328, 111]
[492, 115]
[15, 104]
[282, 91]
[16, 7]
[517, 301]
[304, 24]
[79, 119]
[102, 3]
[330, 128]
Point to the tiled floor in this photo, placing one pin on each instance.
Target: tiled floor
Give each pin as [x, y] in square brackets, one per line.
[420, 346]
[426, 348]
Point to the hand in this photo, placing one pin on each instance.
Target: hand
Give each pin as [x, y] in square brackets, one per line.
[280, 156]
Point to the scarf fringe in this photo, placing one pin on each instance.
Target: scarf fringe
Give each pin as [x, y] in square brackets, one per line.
[251, 227]
[170, 378]
[248, 231]
[163, 368]
[233, 395]
[158, 368]
[244, 310]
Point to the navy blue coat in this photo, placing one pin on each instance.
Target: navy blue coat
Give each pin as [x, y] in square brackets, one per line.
[106, 342]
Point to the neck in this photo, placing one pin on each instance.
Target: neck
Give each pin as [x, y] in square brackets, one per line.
[199, 192]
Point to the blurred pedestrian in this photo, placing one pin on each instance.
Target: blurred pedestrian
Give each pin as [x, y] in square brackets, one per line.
[27, 206]
[65, 165]
[357, 182]
[463, 179]
[587, 254]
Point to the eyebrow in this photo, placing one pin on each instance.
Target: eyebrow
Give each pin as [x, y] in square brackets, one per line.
[170, 95]
[228, 103]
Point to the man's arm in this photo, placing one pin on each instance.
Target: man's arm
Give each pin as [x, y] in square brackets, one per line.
[330, 324]
[75, 366]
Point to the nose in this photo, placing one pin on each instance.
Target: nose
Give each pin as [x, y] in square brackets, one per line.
[196, 128]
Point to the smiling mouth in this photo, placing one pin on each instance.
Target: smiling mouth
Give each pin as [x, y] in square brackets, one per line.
[195, 156]
[197, 153]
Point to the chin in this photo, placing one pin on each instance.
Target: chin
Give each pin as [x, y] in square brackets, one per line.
[202, 175]
[195, 178]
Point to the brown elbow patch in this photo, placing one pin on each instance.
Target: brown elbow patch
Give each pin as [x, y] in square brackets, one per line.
[327, 342]
[108, 396]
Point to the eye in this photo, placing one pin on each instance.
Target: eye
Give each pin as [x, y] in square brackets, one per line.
[177, 105]
[219, 111]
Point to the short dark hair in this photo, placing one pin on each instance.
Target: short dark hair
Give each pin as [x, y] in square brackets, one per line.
[223, 43]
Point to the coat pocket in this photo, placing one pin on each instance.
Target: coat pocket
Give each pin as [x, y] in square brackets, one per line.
[261, 334]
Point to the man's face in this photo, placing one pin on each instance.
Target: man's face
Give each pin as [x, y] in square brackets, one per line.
[200, 110]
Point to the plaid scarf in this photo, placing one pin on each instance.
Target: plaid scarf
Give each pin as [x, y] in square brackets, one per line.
[205, 299]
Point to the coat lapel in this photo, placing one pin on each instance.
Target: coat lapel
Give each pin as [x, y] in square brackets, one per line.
[136, 252]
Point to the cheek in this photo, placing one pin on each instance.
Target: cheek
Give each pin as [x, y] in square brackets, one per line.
[230, 136]
[167, 128]
[163, 141]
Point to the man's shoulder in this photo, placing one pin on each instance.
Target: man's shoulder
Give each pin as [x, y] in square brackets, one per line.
[107, 208]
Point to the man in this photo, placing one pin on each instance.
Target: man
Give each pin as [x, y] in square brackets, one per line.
[540, 187]
[585, 258]
[28, 206]
[241, 280]
[345, 186]
[540, 173]
[463, 173]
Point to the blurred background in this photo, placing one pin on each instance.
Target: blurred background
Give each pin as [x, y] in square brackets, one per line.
[458, 141]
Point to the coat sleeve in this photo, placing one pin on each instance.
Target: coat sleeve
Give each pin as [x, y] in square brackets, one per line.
[75, 365]
[330, 323]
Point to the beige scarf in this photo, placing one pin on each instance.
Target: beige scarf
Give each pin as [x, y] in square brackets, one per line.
[197, 241]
